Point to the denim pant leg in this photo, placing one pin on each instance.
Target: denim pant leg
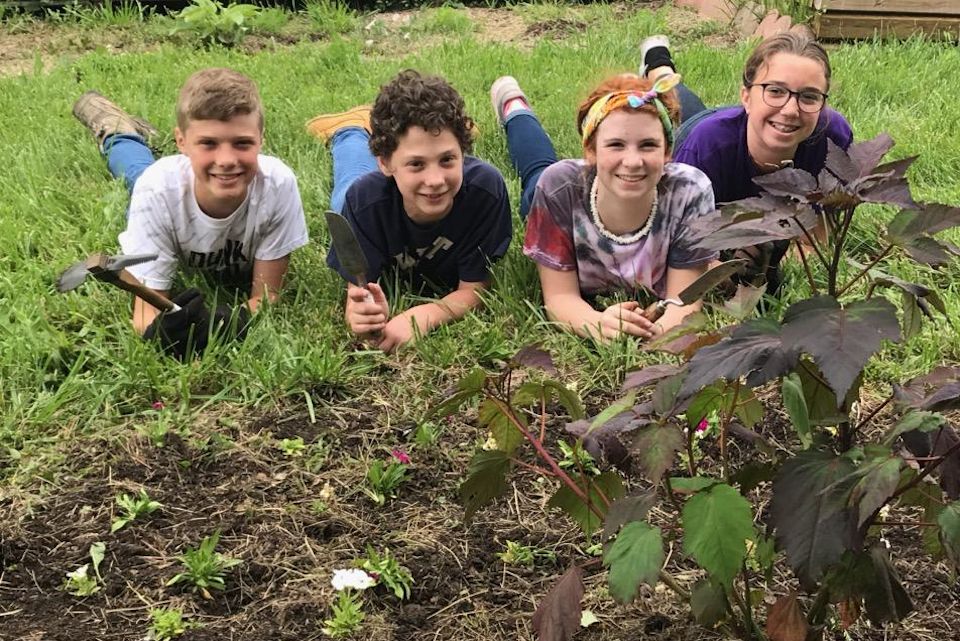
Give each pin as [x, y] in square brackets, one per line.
[127, 157]
[530, 150]
[690, 103]
[350, 148]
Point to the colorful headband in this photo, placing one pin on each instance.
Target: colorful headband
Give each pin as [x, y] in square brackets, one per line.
[609, 103]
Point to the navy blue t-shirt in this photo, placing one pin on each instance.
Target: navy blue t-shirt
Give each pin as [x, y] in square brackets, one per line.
[437, 256]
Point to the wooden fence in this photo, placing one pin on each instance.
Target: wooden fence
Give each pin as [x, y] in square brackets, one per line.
[852, 19]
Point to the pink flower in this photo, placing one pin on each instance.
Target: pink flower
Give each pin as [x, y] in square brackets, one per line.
[400, 456]
[157, 405]
[702, 425]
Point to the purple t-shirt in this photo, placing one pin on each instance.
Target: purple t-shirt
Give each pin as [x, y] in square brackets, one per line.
[717, 146]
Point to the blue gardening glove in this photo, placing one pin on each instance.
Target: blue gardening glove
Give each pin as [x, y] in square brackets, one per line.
[231, 323]
[184, 332]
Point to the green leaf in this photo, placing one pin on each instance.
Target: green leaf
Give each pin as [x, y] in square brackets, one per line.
[949, 522]
[620, 406]
[840, 339]
[912, 317]
[626, 510]
[710, 399]
[749, 409]
[665, 394]
[530, 394]
[608, 484]
[491, 415]
[634, 557]
[928, 496]
[876, 486]
[749, 476]
[915, 420]
[98, 550]
[486, 480]
[809, 512]
[686, 485]
[708, 602]
[655, 448]
[717, 523]
[568, 398]
[743, 303]
[558, 616]
[796, 406]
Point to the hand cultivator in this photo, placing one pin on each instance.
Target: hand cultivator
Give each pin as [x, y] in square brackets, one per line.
[112, 269]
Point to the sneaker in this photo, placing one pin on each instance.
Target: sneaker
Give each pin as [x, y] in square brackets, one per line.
[103, 118]
[325, 125]
[504, 89]
[654, 42]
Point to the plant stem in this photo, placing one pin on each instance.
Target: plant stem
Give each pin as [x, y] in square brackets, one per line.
[670, 583]
[533, 468]
[813, 243]
[543, 416]
[872, 414]
[806, 268]
[747, 612]
[863, 272]
[838, 252]
[818, 611]
[929, 467]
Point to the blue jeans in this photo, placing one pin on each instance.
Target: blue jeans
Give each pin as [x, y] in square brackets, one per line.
[530, 151]
[127, 157]
[350, 148]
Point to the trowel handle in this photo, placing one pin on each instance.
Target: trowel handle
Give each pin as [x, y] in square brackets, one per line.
[654, 312]
[126, 280]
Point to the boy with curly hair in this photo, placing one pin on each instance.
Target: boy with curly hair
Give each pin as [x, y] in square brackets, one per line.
[431, 215]
[218, 207]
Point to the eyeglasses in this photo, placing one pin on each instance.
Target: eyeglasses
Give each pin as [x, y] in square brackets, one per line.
[809, 100]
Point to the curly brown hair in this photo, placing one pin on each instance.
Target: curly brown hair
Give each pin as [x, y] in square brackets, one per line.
[414, 100]
[217, 93]
[626, 82]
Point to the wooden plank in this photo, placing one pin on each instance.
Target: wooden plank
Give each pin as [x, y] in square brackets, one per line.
[851, 26]
[934, 7]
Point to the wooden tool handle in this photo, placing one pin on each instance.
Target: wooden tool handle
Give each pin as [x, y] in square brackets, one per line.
[654, 312]
[126, 280]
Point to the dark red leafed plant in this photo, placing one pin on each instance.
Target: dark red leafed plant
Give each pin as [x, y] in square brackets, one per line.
[827, 491]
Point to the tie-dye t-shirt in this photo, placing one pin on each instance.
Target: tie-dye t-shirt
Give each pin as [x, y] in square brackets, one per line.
[561, 233]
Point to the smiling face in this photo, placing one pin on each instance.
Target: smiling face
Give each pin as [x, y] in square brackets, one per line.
[629, 151]
[223, 155]
[774, 133]
[428, 170]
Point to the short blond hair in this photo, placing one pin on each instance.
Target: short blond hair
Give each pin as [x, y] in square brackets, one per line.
[217, 93]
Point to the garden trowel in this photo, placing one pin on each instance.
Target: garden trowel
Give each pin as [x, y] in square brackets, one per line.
[695, 291]
[112, 269]
[349, 252]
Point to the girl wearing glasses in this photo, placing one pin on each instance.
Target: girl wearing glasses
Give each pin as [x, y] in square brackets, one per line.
[782, 121]
[616, 220]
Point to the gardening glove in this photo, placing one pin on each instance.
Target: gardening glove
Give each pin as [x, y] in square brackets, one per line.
[231, 323]
[185, 332]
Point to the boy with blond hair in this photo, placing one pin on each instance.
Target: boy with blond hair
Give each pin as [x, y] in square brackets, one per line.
[218, 207]
[423, 211]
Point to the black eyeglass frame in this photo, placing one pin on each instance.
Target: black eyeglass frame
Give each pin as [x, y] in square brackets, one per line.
[790, 95]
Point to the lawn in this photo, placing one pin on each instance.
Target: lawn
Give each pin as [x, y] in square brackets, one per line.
[269, 442]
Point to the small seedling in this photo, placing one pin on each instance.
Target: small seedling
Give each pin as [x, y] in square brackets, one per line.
[292, 447]
[577, 458]
[528, 555]
[347, 615]
[167, 623]
[79, 582]
[427, 434]
[316, 456]
[318, 507]
[383, 477]
[387, 571]
[205, 567]
[133, 507]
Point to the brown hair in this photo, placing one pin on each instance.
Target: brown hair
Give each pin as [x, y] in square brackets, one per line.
[413, 100]
[626, 82]
[798, 43]
[217, 94]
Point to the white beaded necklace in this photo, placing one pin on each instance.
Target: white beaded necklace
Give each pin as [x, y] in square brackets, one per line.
[606, 233]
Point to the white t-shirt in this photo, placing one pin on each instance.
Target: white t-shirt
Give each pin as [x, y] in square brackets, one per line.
[165, 219]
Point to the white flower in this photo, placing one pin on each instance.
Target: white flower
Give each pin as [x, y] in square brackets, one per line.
[354, 578]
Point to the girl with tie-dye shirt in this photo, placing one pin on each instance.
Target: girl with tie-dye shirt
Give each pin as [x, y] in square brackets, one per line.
[617, 220]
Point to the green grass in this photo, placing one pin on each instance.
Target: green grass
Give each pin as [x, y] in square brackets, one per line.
[70, 365]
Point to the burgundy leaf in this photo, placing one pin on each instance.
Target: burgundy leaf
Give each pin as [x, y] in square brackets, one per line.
[827, 181]
[791, 183]
[742, 303]
[785, 620]
[809, 512]
[926, 219]
[840, 340]
[627, 509]
[868, 154]
[887, 191]
[928, 251]
[754, 349]
[840, 164]
[914, 393]
[605, 442]
[533, 356]
[648, 375]
[558, 616]
[884, 596]
[787, 223]
[896, 168]
[938, 443]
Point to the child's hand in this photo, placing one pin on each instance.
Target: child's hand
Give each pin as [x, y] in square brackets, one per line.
[626, 318]
[397, 332]
[367, 309]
